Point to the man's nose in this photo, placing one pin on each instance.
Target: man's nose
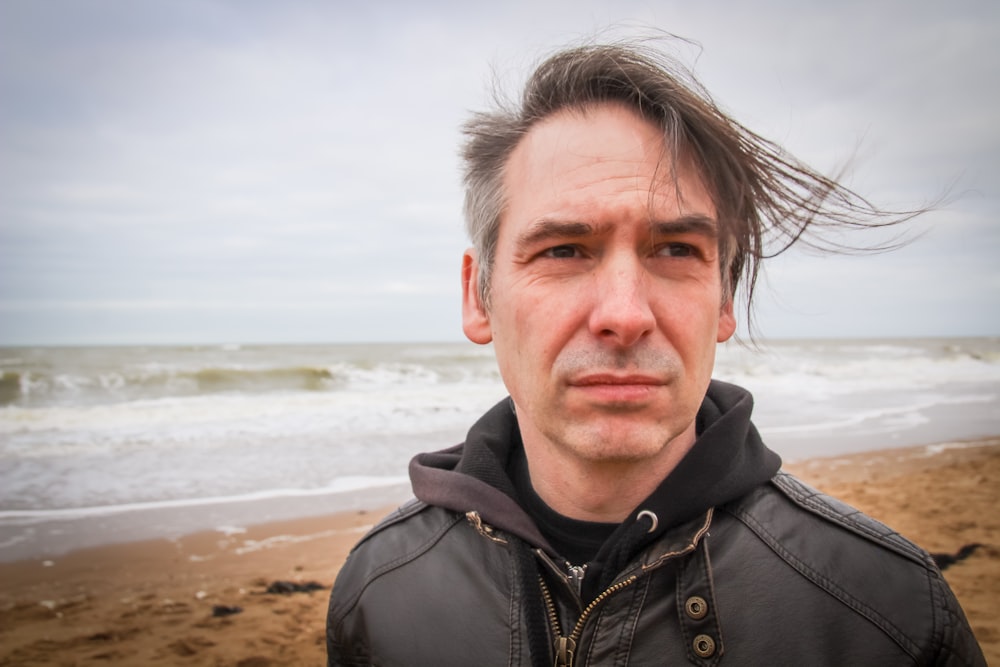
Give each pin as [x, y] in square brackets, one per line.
[621, 313]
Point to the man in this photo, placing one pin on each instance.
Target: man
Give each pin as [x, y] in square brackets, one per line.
[620, 508]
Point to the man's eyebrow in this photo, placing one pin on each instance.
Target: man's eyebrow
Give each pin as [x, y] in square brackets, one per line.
[546, 229]
[687, 224]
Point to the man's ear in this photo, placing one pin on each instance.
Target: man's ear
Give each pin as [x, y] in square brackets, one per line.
[727, 322]
[475, 319]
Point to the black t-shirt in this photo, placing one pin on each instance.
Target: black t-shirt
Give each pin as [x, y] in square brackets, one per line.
[576, 541]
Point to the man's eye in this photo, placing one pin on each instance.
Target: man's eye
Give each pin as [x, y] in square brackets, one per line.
[678, 250]
[562, 252]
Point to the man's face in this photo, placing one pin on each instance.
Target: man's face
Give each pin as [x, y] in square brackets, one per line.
[606, 301]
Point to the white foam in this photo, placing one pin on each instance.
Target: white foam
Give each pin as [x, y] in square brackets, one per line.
[21, 517]
[14, 539]
[932, 450]
[840, 369]
[879, 419]
[250, 546]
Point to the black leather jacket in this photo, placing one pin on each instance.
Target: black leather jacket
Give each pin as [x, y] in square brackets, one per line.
[775, 574]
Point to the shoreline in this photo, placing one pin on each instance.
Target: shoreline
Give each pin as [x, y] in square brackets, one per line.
[27, 534]
[151, 601]
[41, 537]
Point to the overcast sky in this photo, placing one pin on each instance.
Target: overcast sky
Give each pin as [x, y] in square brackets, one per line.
[250, 171]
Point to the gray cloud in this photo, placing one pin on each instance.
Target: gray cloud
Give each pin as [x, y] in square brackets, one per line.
[288, 171]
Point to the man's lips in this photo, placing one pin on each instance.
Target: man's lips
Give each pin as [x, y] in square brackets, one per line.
[613, 379]
[612, 388]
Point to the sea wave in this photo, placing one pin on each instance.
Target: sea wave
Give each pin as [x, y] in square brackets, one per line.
[348, 484]
[43, 387]
[879, 420]
[121, 426]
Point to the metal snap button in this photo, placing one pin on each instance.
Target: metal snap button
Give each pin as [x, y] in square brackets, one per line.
[651, 516]
[704, 646]
[696, 607]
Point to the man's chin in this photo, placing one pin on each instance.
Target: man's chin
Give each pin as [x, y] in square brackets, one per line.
[612, 443]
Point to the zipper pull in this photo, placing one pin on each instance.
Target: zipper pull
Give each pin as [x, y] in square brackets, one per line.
[565, 649]
[576, 573]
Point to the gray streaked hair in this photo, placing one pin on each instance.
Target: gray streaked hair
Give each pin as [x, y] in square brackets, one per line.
[766, 200]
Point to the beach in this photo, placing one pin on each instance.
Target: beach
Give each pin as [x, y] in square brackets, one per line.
[151, 602]
[151, 496]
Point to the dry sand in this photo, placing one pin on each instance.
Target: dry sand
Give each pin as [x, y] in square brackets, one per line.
[151, 603]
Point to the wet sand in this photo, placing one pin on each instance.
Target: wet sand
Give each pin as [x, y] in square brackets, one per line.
[151, 602]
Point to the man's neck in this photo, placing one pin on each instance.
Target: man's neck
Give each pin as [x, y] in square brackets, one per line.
[601, 491]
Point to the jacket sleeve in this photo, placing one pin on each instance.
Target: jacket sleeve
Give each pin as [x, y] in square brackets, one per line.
[958, 647]
[342, 655]
[346, 640]
[337, 656]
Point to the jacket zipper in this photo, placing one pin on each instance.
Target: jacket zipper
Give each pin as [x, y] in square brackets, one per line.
[565, 647]
[576, 574]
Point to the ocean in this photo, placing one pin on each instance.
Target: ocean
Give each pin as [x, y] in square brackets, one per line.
[103, 444]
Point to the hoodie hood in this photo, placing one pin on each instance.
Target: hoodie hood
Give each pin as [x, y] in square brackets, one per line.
[728, 460]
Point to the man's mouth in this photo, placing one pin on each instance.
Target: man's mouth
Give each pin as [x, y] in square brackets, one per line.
[617, 388]
[598, 379]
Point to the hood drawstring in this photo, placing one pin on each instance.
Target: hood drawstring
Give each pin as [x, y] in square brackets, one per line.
[535, 620]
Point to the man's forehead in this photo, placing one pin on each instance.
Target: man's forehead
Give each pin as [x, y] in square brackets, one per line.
[596, 129]
[559, 148]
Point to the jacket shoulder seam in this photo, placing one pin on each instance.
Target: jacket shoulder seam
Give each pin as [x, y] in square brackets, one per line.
[814, 502]
[408, 510]
[855, 521]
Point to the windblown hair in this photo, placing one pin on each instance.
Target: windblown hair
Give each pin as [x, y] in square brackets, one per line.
[765, 199]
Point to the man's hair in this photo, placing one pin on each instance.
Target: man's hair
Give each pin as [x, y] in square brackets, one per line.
[765, 199]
